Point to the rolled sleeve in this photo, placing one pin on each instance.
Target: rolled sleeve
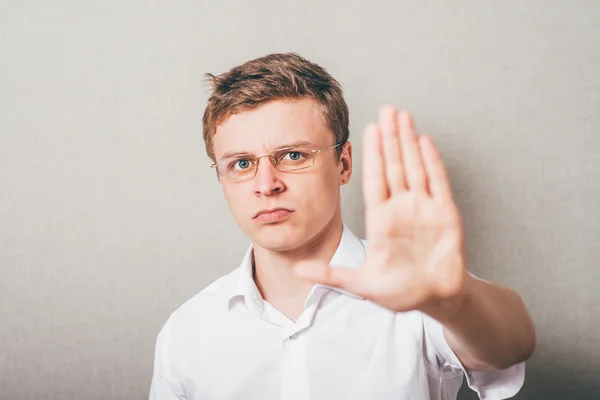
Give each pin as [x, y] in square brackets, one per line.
[489, 385]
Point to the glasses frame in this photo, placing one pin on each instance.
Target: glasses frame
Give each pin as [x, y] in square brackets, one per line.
[256, 159]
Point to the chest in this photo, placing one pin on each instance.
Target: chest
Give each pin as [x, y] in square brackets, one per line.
[340, 351]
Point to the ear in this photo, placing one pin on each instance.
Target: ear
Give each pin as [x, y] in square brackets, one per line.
[345, 164]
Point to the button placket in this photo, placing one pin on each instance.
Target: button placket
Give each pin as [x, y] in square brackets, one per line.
[294, 372]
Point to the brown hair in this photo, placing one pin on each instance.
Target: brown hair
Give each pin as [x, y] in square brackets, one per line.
[273, 77]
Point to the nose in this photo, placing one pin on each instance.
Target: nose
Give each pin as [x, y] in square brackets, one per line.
[266, 181]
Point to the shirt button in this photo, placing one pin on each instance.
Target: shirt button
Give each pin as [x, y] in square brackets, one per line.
[294, 336]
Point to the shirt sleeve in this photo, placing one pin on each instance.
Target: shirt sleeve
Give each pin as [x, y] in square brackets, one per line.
[489, 385]
[165, 384]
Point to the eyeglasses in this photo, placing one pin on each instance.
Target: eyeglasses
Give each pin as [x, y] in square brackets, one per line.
[288, 159]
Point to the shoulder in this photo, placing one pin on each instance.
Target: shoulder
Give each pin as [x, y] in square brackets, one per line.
[203, 308]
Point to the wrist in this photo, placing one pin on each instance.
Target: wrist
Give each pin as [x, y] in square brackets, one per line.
[449, 310]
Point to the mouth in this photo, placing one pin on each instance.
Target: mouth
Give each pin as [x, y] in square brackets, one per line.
[273, 214]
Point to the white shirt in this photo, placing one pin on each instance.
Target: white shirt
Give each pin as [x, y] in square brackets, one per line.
[228, 343]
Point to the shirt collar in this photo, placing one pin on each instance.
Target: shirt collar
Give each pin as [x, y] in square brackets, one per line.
[349, 254]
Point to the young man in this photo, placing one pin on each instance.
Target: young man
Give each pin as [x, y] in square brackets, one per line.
[313, 312]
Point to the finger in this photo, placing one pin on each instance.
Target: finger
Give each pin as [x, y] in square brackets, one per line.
[437, 176]
[375, 188]
[394, 168]
[411, 153]
[319, 272]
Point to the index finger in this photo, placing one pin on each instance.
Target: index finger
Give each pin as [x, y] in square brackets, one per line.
[375, 189]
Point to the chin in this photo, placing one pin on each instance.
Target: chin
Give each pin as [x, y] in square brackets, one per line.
[279, 237]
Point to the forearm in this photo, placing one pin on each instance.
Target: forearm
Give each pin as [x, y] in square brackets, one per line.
[491, 329]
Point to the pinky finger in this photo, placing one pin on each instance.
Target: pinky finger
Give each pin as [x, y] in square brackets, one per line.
[437, 176]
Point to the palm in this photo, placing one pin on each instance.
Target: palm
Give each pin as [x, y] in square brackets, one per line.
[413, 246]
[415, 256]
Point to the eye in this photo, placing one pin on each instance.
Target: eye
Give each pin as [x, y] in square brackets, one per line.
[294, 155]
[240, 164]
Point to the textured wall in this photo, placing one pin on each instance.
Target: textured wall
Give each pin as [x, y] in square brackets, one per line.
[110, 216]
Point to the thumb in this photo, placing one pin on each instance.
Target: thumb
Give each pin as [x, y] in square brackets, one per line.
[320, 272]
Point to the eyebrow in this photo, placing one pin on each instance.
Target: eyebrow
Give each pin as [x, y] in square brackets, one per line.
[298, 143]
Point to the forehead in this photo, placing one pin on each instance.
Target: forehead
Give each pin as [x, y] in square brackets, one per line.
[273, 125]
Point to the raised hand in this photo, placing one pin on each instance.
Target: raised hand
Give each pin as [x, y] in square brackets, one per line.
[415, 257]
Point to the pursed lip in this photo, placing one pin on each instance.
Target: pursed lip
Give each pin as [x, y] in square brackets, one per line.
[270, 210]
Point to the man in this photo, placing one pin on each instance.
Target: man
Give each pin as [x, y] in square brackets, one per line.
[312, 312]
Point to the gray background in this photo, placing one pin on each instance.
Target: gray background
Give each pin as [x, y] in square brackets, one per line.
[110, 216]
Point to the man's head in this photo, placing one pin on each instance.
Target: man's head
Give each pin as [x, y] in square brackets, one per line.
[260, 107]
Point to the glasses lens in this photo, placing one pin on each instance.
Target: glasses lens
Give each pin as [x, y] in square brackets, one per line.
[236, 167]
[293, 159]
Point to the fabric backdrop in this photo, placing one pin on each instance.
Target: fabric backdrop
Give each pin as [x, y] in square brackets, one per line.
[110, 216]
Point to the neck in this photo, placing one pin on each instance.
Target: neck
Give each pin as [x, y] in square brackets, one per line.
[274, 270]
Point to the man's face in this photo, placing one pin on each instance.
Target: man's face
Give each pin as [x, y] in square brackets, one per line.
[307, 201]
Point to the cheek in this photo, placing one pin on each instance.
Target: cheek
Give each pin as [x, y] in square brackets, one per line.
[322, 193]
[237, 198]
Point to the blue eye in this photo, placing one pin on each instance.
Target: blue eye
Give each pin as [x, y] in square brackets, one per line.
[243, 164]
[294, 156]
[240, 164]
